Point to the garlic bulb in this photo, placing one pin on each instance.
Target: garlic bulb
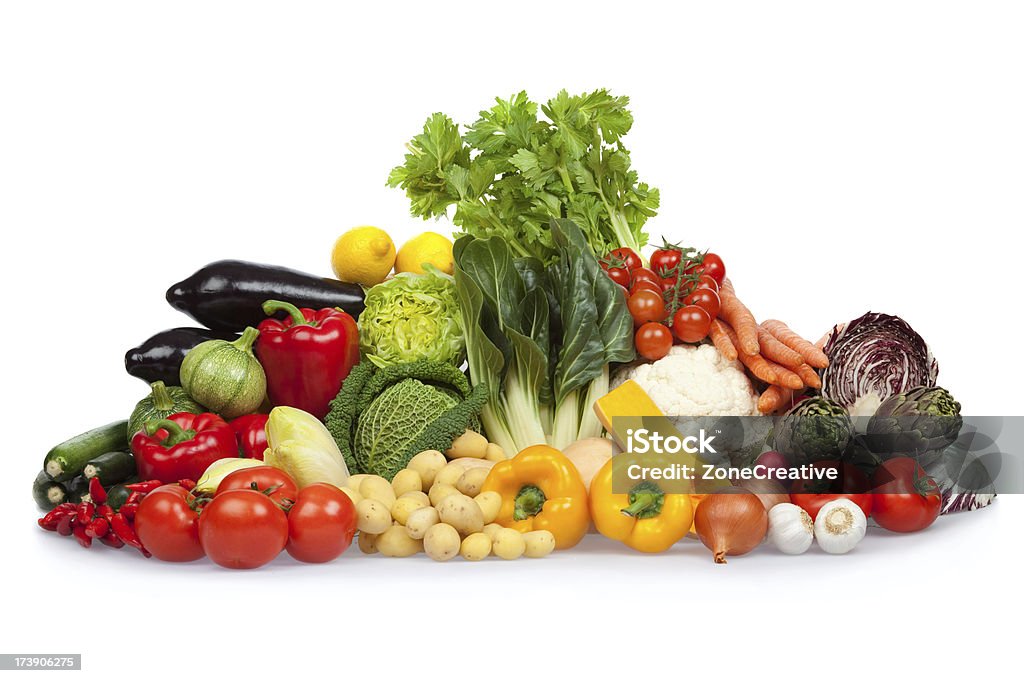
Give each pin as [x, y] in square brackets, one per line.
[790, 528]
[839, 526]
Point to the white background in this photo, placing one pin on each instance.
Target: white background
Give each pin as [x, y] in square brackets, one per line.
[840, 156]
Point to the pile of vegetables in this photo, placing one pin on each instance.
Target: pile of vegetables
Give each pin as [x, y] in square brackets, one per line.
[453, 398]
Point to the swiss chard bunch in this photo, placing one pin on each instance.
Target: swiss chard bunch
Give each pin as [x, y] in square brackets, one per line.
[513, 171]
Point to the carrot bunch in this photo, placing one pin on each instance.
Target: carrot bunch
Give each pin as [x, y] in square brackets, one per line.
[772, 352]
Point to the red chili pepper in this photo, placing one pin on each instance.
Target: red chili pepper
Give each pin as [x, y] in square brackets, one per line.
[144, 486]
[84, 539]
[307, 355]
[133, 497]
[126, 533]
[251, 432]
[112, 540]
[104, 511]
[49, 520]
[64, 525]
[97, 492]
[85, 513]
[97, 528]
[128, 510]
[186, 484]
[182, 446]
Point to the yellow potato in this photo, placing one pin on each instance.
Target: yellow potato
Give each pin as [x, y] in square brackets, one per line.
[406, 480]
[427, 464]
[377, 488]
[539, 543]
[490, 505]
[476, 546]
[461, 512]
[492, 530]
[372, 516]
[469, 445]
[405, 506]
[439, 492]
[441, 542]
[416, 495]
[508, 544]
[395, 542]
[451, 472]
[353, 495]
[495, 453]
[355, 480]
[420, 521]
[471, 481]
[367, 543]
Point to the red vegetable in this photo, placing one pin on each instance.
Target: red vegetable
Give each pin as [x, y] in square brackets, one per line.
[906, 498]
[168, 526]
[251, 432]
[242, 529]
[271, 481]
[321, 524]
[307, 355]
[182, 446]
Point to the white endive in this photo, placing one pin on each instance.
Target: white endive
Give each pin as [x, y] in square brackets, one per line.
[219, 469]
[300, 444]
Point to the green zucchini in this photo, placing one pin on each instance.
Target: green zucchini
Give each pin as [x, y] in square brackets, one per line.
[225, 376]
[117, 495]
[161, 402]
[111, 468]
[66, 460]
[78, 490]
[48, 493]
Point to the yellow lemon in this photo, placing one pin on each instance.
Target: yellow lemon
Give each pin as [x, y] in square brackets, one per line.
[427, 247]
[363, 255]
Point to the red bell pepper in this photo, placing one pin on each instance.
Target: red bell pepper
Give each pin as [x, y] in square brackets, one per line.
[251, 432]
[182, 446]
[307, 355]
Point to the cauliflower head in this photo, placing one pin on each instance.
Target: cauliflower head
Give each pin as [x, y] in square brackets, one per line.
[695, 381]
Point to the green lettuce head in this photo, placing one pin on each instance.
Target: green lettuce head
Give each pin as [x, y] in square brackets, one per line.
[412, 317]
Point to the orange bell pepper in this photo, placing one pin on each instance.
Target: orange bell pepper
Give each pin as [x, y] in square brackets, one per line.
[541, 489]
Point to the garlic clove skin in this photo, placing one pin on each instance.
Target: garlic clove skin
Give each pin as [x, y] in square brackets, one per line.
[790, 528]
[839, 526]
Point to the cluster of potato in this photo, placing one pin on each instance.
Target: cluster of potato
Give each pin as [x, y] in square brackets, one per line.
[436, 506]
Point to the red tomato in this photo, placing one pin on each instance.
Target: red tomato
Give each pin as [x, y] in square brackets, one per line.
[320, 524]
[641, 273]
[668, 283]
[708, 282]
[242, 529]
[713, 266]
[168, 526]
[691, 324]
[626, 256]
[619, 276]
[906, 498]
[706, 299]
[646, 306]
[266, 479]
[641, 285]
[852, 484]
[665, 259]
[653, 341]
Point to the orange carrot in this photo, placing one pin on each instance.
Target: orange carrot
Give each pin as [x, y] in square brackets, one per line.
[721, 339]
[764, 370]
[774, 398]
[809, 376]
[784, 377]
[773, 349]
[739, 316]
[812, 354]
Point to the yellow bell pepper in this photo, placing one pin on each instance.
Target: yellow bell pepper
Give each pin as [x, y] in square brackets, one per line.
[646, 518]
[541, 489]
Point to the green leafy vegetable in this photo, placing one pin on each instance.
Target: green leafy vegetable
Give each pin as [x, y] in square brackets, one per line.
[412, 317]
[540, 338]
[513, 171]
[381, 418]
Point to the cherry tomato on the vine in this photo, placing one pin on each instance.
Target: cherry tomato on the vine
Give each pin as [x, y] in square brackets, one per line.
[653, 341]
[647, 285]
[646, 306]
[629, 258]
[641, 273]
[713, 266]
[665, 259]
[691, 324]
[619, 276]
[708, 282]
[705, 298]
